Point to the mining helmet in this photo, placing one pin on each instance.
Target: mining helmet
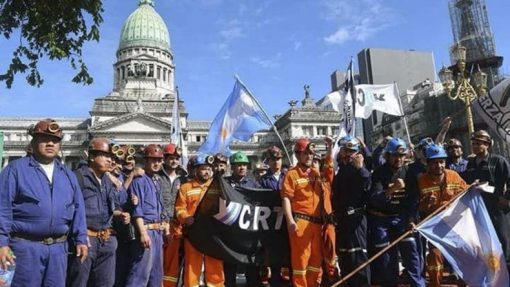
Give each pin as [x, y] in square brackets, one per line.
[219, 157]
[483, 136]
[274, 152]
[46, 127]
[304, 144]
[100, 145]
[203, 159]
[424, 143]
[349, 142]
[153, 151]
[435, 151]
[239, 157]
[172, 149]
[453, 143]
[396, 146]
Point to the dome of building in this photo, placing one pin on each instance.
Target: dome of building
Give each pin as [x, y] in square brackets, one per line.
[145, 27]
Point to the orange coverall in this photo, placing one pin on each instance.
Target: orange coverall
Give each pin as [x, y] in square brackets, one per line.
[190, 195]
[171, 257]
[303, 187]
[452, 185]
[328, 230]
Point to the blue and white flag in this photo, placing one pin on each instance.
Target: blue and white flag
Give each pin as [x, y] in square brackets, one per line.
[464, 234]
[239, 118]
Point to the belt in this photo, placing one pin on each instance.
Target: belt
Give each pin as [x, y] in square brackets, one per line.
[45, 241]
[155, 226]
[306, 217]
[102, 234]
[381, 214]
[353, 211]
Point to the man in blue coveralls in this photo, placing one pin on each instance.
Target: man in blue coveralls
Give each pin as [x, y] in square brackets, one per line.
[147, 259]
[101, 204]
[41, 207]
[391, 210]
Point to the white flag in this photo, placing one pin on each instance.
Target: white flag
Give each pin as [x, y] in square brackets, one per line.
[494, 108]
[383, 98]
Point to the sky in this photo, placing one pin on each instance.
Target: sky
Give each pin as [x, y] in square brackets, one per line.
[276, 47]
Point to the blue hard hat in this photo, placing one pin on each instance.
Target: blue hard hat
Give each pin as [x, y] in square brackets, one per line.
[203, 159]
[349, 142]
[396, 146]
[435, 151]
[425, 142]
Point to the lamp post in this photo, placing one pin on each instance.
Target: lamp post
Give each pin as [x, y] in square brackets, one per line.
[460, 87]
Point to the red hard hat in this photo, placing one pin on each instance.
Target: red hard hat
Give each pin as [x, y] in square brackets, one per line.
[100, 144]
[274, 152]
[154, 151]
[304, 144]
[46, 127]
[172, 149]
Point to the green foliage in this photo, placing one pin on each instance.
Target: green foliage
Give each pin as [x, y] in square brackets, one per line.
[56, 29]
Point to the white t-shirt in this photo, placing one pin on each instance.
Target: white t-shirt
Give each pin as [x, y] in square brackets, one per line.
[48, 169]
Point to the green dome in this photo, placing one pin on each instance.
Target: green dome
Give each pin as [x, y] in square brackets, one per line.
[144, 27]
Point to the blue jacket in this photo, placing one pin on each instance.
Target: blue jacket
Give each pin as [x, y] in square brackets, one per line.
[243, 182]
[31, 206]
[269, 181]
[150, 205]
[100, 199]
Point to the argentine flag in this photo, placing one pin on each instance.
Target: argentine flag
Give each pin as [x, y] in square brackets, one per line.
[239, 118]
[464, 234]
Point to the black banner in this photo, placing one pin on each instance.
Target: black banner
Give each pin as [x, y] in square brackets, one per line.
[240, 225]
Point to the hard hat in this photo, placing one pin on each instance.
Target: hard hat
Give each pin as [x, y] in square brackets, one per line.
[203, 159]
[239, 157]
[100, 145]
[435, 151]
[396, 146]
[304, 144]
[219, 157]
[274, 152]
[153, 151]
[482, 135]
[46, 127]
[349, 142]
[424, 143]
[172, 149]
[453, 143]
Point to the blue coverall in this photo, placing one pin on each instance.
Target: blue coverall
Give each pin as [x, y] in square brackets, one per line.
[33, 210]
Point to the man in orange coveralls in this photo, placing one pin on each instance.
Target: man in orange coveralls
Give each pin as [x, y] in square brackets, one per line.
[437, 186]
[190, 195]
[303, 204]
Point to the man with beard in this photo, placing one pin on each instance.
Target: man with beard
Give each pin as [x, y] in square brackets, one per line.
[190, 195]
[437, 186]
[40, 207]
[350, 194]
[239, 165]
[494, 169]
[303, 206]
[455, 161]
[390, 212]
[147, 261]
[171, 177]
[101, 204]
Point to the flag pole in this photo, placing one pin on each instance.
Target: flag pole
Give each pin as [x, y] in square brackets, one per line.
[402, 112]
[268, 118]
[406, 234]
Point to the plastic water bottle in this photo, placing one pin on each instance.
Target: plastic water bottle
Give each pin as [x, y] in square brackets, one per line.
[7, 275]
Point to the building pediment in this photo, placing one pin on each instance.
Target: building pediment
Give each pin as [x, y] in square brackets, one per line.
[133, 123]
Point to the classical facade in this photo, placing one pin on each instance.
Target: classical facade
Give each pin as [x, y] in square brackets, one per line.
[138, 110]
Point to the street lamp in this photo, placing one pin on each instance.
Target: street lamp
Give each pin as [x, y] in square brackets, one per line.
[461, 88]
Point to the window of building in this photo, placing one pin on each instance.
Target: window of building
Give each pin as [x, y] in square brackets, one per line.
[322, 131]
[198, 139]
[164, 74]
[159, 72]
[123, 69]
[335, 130]
[374, 118]
[151, 71]
[307, 131]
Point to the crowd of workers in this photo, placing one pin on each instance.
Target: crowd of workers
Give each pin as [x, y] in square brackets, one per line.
[111, 223]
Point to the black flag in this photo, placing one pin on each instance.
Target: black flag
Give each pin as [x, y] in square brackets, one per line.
[240, 225]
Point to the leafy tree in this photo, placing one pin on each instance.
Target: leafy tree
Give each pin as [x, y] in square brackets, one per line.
[56, 29]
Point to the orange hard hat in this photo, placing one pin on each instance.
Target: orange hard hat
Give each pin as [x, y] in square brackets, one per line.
[304, 144]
